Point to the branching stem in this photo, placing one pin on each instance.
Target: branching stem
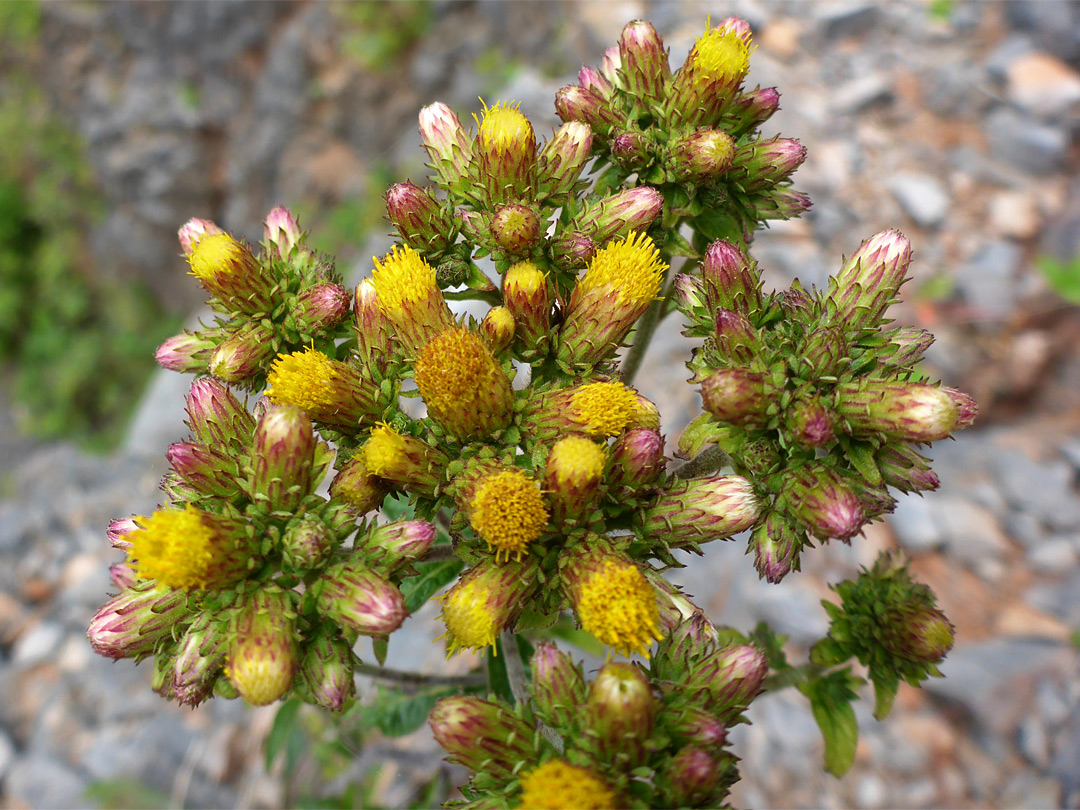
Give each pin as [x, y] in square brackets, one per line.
[417, 678]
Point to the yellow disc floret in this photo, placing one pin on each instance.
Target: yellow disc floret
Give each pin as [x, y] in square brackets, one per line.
[720, 55]
[630, 268]
[402, 279]
[557, 784]
[456, 373]
[604, 408]
[215, 255]
[467, 614]
[618, 606]
[384, 451]
[524, 277]
[504, 127]
[176, 547]
[508, 512]
[305, 379]
[576, 459]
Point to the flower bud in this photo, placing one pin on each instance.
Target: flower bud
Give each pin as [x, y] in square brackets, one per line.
[820, 499]
[558, 686]
[731, 677]
[282, 232]
[376, 345]
[762, 164]
[504, 506]
[282, 458]
[711, 76]
[776, 545]
[131, 624]
[611, 597]
[869, 281]
[118, 531]
[188, 353]
[483, 735]
[307, 543]
[781, 203]
[506, 152]
[557, 783]
[644, 61]
[808, 424]
[209, 472]
[622, 713]
[735, 396]
[488, 599]
[690, 294]
[419, 218]
[701, 729]
[620, 283]
[263, 660]
[229, 271]
[326, 676]
[921, 634]
[322, 307]
[632, 150]
[446, 142]
[689, 642]
[409, 296]
[564, 157]
[914, 412]
[910, 345]
[516, 228]
[572, 478]
[966, 407]
[730, 279]
[123, 575]
[242, 355]
[700, 157]
[597, 409]
[390, 544]
[756, 107]
[216, 417]
[200, 655]
[464, 387]
[332, 393]
[597, 82]
[574, 103]
[193, 230]
[693, 511]
[526, 294]
[692, 775]
[359, 600]
[637, 459]
[357, 488]
[404, 460]
[734, 337]
[497, 329]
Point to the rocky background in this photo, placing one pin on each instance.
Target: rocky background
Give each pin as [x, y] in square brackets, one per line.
[954, 121]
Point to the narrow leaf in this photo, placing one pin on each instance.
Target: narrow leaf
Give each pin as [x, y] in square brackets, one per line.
[284, 723]
[433, 576]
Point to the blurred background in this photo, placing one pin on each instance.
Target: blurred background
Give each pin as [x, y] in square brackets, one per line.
[954, 121]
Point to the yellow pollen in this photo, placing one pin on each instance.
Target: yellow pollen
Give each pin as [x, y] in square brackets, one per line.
[631, 268]
[604, 408]
[176, 547]
[524, 278]
[467, 614]
[618, 606]
[401, 279]
[218, 254]
[499, 320]
[720, 55]
[384, 450]
[454, 371]
[508, 512]
[306, 379]
[504, 127]
[576, 459]
[557, 784]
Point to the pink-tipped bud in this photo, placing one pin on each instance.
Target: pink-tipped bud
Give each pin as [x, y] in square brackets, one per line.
[419, 218]
[697, 510]
[392, 544]
[262, 658]
[823, 502]
[118, 531]
[644, 61]
[869, 281]
[326, 673]
[131, 624]
[776, 545]
[809, 424]
[690, 294]
[734, 337]
[282, 457]
[692, 775]
[558, 686]
[123, 575]
[621, 712]
[242, 354]
[966, 407]
[307, 543]
[735, 396]
[637, 459]
[360, 600]
[322, 307]
[905, 469]
[702, 729]
[483, 735]
[564, 157]
[914, 412]
[910, 345]
[732, 678]
[757, 106]
[516, 228]
[632, 150]
[783, 203]
[633, 209]
[281, 230]
[763, 164]
[700, 157]
[919, 633]
[216, 417]
[574, 103]
[447, 142]
[730, 279]
[207, 470]
[188, 353]
[193, 230]
[200, 656]
[594, 80]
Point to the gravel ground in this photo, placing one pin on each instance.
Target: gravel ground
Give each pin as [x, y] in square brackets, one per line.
[958, 127]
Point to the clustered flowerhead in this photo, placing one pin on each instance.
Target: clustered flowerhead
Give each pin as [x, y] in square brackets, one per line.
[528, 443]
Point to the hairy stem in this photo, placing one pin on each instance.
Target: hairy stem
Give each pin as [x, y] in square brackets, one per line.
[707, 461]
[439, 554]
[417, 678]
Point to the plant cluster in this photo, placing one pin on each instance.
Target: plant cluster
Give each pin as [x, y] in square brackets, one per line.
[535, 474]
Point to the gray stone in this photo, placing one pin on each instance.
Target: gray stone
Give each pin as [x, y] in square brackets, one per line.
[38, 780]
[914, 524]
[922, 197]
[1054, 555]
[1034, 742]
[972, 532]
[7, 754]
[847, 19]
[1013, 46]
[1062, 599]
[1043, 488]
[987, 282]
[38, 644]
[1054, 24]
[1018, 141]
[1071, 451]
[860, 93]
[1024, 528]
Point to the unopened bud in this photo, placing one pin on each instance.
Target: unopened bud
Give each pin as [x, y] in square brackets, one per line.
[516, 228]
[282, 457]
[644, 61]
[730, 279]
[757, 106]
[692, 775]
[776, 545]
[242, 355]
[307, 543]
[209, 471]
[732, 678]
[922, 634]
[216, 417]
[637, 459]
[326, 673]
[823, 502]
[809, 424]
[697, 510]
[447, 142]
[263, 660]
[322, 307]
[360, 600]
[497, 329]
[735, 396]
[131, 624]
[574, 103]
[282, 231]
[419, 218]
[869, 281]
[914, 412]
[483, 735]
[621, 711]
[564, 157]
[200, 656]
[700, 157]
[358, 488]
[910, 345]
[902, 467]
[558, 686]
[391, 544]
[188, 353]
[193, 230]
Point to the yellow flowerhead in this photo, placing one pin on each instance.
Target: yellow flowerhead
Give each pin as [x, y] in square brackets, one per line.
[504, 127]
[386, 451]
[305, 379]
[466, 612]
[508, 512]
[630, 268]
[605, 408]
[228, 270]
[409, 295]
[182, 548]
[217, 255]
[721, 54]
[524, 278]
[463, 386]
[575, 460]
[618, 606]
[557, 784]
[403, 460]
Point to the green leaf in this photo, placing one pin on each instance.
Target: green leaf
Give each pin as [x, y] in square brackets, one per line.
[498, 679]
[433, 576]
[532, 620]
[124, 793]
[885, 688]
[396, 713]
[1063, 277]
[380, 645]
[586, 642]
[285, 724]
[861, 455]
[830, 701]
[772, 645]
[396, 506]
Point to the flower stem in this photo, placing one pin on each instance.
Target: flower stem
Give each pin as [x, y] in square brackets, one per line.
[417, 678]
[707, 461]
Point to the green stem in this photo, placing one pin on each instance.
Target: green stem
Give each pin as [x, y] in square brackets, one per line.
[707, 461]
[417, 678]
[793, 676]
[646, 327]
[439, 554]
[515, 673]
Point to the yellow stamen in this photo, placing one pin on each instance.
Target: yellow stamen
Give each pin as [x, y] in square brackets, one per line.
[467, 614]
[508, 512]
[384, 450]
[307, 380]
[217, 255]
[176, 547]
[557, 784]
[402, 279]
[719, 55]
[605, 408]
[630, 268]
[524, 278]
[618, 606]
[454, 372]
[504, 127]
[576, 459]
